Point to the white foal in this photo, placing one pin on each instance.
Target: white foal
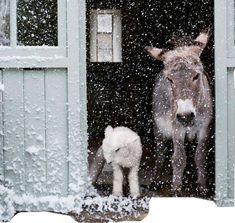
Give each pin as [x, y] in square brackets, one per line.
[122, 147]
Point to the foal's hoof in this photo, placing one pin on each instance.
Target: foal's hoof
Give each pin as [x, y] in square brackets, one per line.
[135, 195]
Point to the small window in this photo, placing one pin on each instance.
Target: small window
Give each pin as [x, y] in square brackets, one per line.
[105, 38]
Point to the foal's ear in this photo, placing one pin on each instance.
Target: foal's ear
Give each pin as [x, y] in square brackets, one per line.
[108, 130]
[200, 42]
[155, 52]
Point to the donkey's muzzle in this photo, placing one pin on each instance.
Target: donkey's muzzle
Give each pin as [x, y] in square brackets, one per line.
[186, 119]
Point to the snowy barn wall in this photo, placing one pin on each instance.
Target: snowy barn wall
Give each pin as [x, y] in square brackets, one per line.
[43, 131]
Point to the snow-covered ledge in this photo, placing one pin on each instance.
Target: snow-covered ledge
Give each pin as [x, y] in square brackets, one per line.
[10, 203]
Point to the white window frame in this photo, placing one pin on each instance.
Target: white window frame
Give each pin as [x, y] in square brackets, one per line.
[116, 35]
[230, 29]
[28, 56]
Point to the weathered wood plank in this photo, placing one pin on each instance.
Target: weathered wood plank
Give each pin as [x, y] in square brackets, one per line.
[221, 101]
[35, 153]
[1, 132]
[231, 133]
[56, 131]
[13, 153]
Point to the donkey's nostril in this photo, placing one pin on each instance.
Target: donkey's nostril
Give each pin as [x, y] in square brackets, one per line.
[192, 115]
[178, 116]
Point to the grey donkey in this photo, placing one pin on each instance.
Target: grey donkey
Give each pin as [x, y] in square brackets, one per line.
[182, 109]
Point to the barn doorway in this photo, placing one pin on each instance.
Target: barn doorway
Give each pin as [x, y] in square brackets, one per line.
[120, 80]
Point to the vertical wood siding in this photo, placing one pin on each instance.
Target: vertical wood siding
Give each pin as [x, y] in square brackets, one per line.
[231, 133]
[34, 122]
[1, 134]
[14, 131]
[34, 147]
[56, 131]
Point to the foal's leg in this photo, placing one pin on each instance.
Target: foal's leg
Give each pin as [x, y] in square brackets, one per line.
[178, 162]
[134, 181]
[117, 180]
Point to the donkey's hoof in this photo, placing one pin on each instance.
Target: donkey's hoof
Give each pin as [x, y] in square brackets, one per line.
[202, 191]
[176, 193]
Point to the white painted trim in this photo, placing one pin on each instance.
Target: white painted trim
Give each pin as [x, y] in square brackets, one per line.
[13, 23]
[93, 32]
[62, 37]
[230, 24]
[21, 54]
[117, 36]
[221, 100]
[30, 51]
[223, 42]
[78, 167]
[33, 62]
[234, 78]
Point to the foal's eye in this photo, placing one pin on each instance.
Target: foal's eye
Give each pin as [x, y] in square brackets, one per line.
[117, 150]
[170, 80]
[196, 77]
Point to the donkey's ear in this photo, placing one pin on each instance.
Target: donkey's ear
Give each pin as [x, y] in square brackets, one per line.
[200, 42]
[108, 130]
[155, 52]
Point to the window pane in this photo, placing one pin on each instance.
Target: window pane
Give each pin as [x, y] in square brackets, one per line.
[4, 22]
[105, 23]
[37, 22]
[105, 48]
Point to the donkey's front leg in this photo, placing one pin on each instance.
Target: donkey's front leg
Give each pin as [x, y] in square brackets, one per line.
[200, 161]
[178, 163]
[117, 180]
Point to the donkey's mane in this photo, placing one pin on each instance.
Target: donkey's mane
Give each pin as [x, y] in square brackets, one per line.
[179, 40]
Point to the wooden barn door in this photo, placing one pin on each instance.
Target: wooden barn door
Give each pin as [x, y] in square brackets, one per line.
[225, 100]
[43, 141]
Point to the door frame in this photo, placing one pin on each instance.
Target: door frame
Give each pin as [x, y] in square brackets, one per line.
[224, 61]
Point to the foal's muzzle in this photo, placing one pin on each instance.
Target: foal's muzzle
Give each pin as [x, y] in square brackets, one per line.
[186, 119]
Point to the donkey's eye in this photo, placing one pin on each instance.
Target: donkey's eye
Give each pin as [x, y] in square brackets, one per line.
[170, 80]
[196, 77]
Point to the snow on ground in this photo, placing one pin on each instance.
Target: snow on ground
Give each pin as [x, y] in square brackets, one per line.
[187, 210]
[42, 217]
[167, 210]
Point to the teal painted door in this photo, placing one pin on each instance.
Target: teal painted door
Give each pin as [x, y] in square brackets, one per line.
[43, 133]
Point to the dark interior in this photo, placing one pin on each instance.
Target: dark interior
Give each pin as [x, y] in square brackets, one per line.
[120, 94]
